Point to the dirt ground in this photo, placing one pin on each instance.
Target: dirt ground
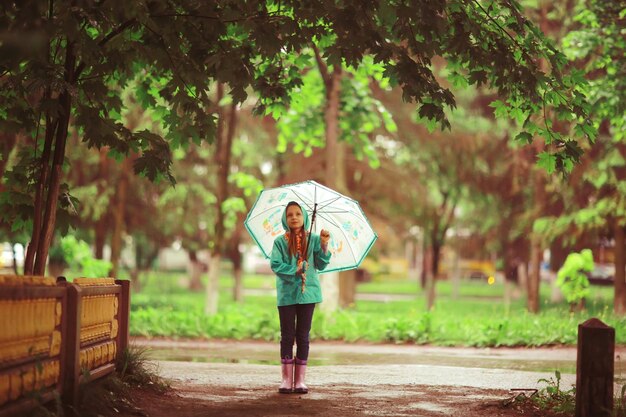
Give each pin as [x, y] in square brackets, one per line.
[209, 379]
[339, 400]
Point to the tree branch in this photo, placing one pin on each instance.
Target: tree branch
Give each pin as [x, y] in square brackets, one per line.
[171, 61]
[495, 22]
[322, 66]
[218, 18]
[104, 40]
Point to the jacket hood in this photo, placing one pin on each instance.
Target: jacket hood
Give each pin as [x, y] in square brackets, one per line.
[305, 216]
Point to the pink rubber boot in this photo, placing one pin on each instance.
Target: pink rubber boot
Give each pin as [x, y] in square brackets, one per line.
[286, 386]
[299, 385]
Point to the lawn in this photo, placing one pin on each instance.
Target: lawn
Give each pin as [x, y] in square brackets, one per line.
[477, 316]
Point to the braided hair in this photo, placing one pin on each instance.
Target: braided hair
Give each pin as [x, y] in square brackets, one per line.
[296, 241]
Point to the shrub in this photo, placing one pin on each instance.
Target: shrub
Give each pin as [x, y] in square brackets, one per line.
[571, 278]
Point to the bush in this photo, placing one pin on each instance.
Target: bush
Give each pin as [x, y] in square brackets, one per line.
[77, 255]
[571, 278]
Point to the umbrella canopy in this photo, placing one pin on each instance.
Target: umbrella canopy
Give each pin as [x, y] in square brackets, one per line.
[351, 235]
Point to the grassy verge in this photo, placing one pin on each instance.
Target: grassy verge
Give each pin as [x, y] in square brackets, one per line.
[477, 317]
[553, 401]
[111, 395]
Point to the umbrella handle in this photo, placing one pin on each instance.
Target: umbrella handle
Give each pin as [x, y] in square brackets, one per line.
[303, 273]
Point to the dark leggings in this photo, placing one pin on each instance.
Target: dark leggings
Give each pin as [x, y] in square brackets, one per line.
[295, 324]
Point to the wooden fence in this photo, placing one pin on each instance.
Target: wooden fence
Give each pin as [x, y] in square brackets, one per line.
[56, 335]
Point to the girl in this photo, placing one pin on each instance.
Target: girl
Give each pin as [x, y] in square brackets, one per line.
[297, 290]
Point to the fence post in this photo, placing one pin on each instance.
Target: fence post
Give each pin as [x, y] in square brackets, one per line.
[71, 371]
[594, 369]
[123, 317]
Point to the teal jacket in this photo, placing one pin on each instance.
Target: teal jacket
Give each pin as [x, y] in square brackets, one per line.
[288, 284]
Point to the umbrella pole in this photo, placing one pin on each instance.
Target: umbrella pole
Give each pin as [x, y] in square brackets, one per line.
[308, 241]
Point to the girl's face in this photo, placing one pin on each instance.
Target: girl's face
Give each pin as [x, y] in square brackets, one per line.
[295, 220]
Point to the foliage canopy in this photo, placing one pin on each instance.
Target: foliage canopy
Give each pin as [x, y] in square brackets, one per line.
[62, 66]
[175, 48]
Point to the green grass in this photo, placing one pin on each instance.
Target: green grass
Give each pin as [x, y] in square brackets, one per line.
[390, 287]
[477, 317]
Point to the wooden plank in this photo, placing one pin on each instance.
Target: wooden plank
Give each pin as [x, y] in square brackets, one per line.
[35, 361]
[17, 293]
[123, 315]
[23, 406]
[101, 290]
[99, 372]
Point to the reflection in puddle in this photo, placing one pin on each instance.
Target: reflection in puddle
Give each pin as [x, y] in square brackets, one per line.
[431, 407]
[324, 355]
[326, 358]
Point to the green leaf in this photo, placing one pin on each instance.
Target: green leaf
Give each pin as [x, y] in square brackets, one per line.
[547, 161]
[524, 137]
[500, 109]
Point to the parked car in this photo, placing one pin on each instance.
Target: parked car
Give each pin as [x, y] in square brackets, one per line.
[602, 274]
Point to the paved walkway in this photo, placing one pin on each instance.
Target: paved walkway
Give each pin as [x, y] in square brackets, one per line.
[231, 378]
[259, 376]
[207, 362]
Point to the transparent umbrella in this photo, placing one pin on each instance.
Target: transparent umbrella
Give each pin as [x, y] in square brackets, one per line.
[352, 236]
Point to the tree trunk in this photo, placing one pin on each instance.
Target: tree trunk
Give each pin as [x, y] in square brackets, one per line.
[536, 250]
[101, 227]
[431, 277]
[346, 279]
[619, 301]
[332, 82]
[51, 126]
[195, 272]
[347, 288]
[437, 238]
[224, 141]
[426, 260]
[143, 262]
[436, 258]
[100, 232]
[50, 214]
[212, 287]
[39, 202]
[135, 280]
[558, 254]
[49, 218]
[238, 287]
[522, 274]
[414, 256]
[118, 217]
[237, 260]
[278, 159]
[430, 280]
[534, 277]
[331, 120]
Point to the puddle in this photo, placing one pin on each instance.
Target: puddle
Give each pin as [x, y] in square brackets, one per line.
[431, 407]
[327, 358]
[323, 354]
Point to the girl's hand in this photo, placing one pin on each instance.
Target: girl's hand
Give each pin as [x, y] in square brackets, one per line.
[324, 237]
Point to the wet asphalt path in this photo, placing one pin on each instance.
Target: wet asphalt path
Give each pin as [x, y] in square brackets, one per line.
[254, 363]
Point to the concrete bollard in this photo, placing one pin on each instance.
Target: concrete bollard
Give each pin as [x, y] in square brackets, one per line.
[594, 369]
